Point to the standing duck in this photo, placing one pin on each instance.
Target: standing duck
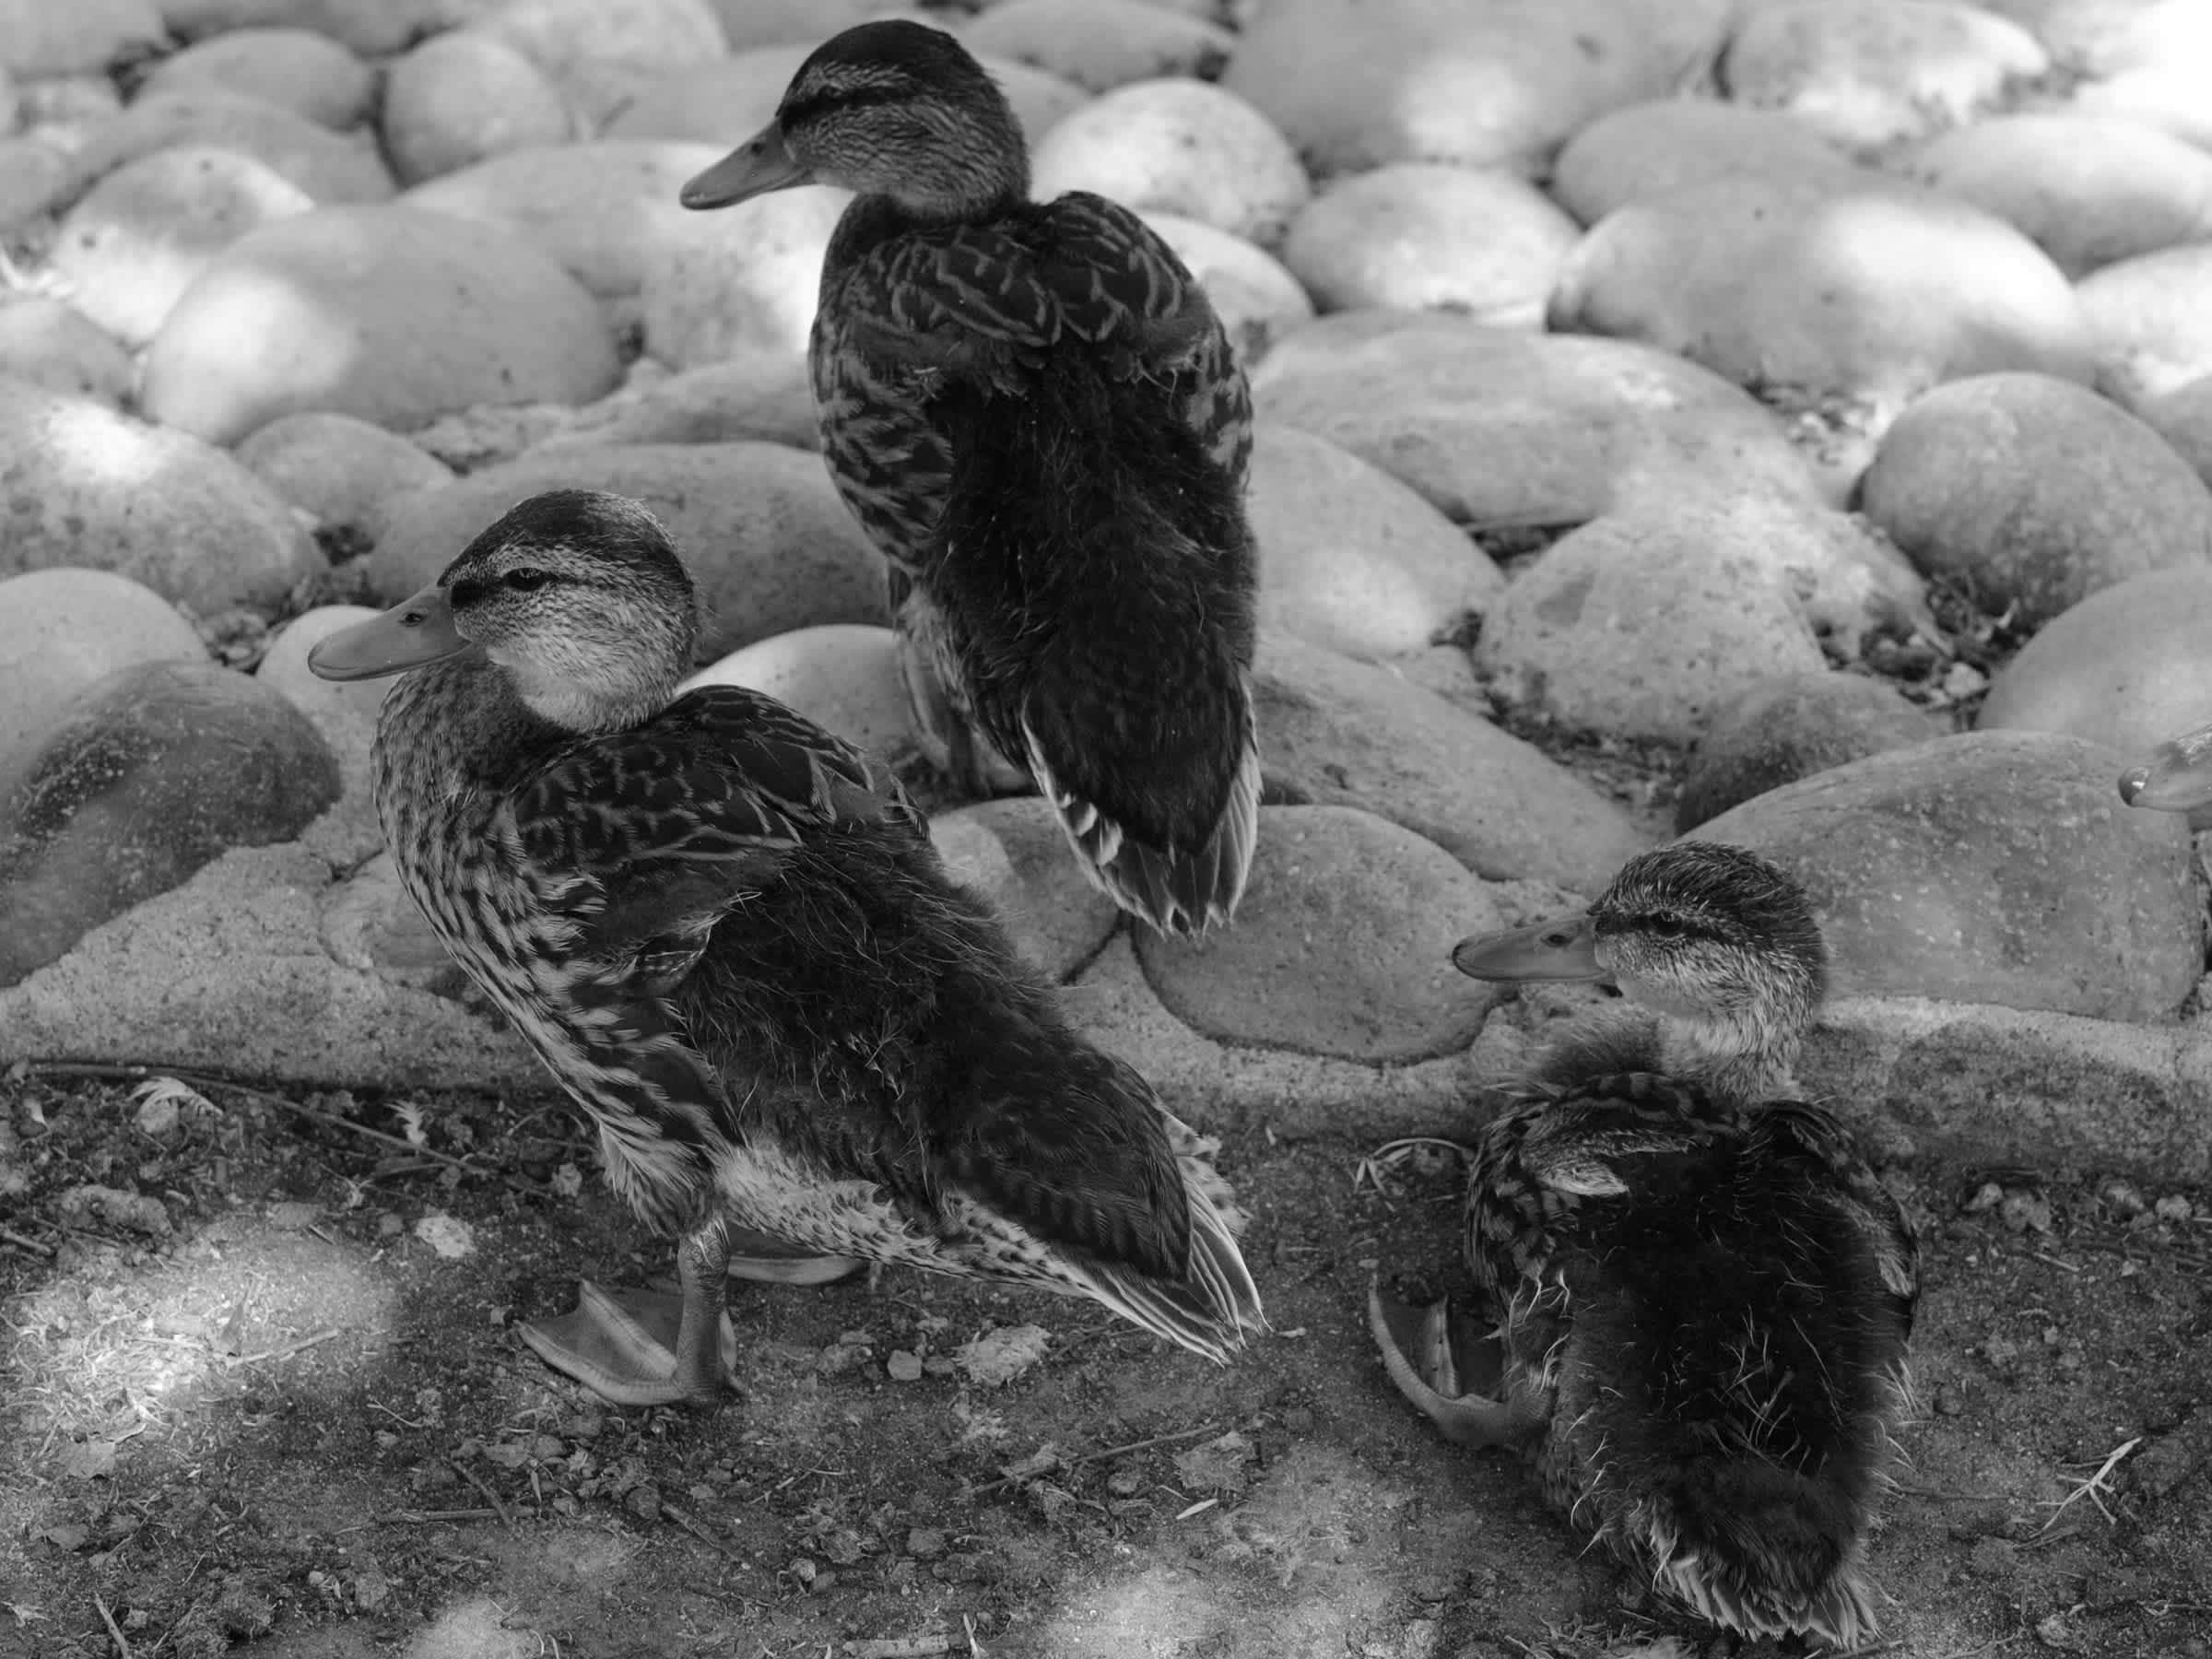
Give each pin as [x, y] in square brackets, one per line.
[1037, 416]
[726, 933]
[1701, 1294]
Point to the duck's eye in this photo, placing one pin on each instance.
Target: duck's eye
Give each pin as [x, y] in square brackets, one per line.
[1666, 924]
[526, 579]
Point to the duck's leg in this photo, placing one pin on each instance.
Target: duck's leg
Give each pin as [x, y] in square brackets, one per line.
[1444, 1351]
[949, 738]
[769, 1260]
[638, 1349]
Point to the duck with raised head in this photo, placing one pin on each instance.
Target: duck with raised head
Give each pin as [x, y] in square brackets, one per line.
[1036, 415]
[726, 933]
[1701, 1295]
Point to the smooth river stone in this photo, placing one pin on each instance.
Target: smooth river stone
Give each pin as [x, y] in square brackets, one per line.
[62, 629]
[1100, 44]
[344, 712]
[1640, 625]
[1500, 427]
[2029, 494]
[1649, 148]
[1989, 867]
[1349, 558]
[336, 467]
[2090, 189]
[1871, 73]
[598, 207]
[329, 167]
[760, 526]
[297, 70]
[150, 772]
[389, 313]
[2127, 667]
[81, 485]
[744, 280]
[1867, 295]
[1182, 146]
[54, 344]
[2183, 417]
[41, 37]
[1484, 243]
[1790, 727]
[842, 675]
[139, 238]
[1335, 731]
[1342, 945]
[373, 27]
[2150, 322]
[1016, 855]
[1355, 84]
[459, 98]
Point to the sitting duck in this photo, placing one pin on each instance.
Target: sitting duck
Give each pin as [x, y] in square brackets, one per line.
[1701, 1294]
[1038, 419]
[726, 933]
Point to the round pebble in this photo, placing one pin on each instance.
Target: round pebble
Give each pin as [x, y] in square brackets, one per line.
[844, 676]
[1342, 945]
[328, 166]
[1500, 427]
[1870, 72]
[603, 208]
[1355, 84]
[459, 98]
[384, 313]
[1100, 44]
[298, 69]
[1647, 149]
[1421, 236]
[149, 773]
[336, 467]
[601, 53]
[81, 485]
[2030, 493]
[373, 27]
[768, 543]
[54, 345]
[1339, 733]
[2126, 667]
[344, 712]
[2183, 417]
[1249, 291]
[1641, 624]
[62, 629]
[766, 395]
[139, 238]
[1991, 867]
[83, 36]
[2150, 322]
[1180, 146]
[2090, 189]
[747, 281]
[1867, 295]
[1015, 854]
[1349, 558]
[1790, 727]
[35, 177]
[369, 924]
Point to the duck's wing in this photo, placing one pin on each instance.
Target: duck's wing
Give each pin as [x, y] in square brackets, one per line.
[978, 303]
[1815, 1138]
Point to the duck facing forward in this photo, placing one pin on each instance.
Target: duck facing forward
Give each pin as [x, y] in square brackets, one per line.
[726, 933]
[1701, 1294]
[1034, 412]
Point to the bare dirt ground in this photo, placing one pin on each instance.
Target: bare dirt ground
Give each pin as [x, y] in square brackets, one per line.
[262, 1410]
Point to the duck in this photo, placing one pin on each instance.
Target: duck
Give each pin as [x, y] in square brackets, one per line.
[1038, 419]
[727, 934]
[2177, 777]
[1701, 1295]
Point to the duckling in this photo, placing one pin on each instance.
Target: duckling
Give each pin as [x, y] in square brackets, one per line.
[727, 936]
[1037, 416]
[2177, 777]
[1703, 1295]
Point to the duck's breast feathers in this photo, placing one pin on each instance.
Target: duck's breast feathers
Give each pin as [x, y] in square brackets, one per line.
[660, 828]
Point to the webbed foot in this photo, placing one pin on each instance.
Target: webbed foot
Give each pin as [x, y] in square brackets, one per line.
[625, 1348]
[1454, 1374]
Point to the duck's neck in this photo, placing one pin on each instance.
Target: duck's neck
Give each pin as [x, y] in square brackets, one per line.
[1741, 1063]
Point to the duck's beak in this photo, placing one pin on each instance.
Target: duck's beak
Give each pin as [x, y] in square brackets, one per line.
[418, 630]
[2177, 777]
[1564, 949]
[762, 163]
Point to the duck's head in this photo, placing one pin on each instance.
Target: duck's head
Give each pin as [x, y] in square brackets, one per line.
[576, 593]
[2176, 778]
[892, 109]
[1717, 942]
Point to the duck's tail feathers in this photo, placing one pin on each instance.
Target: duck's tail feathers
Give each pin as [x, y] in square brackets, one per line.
[1178, 890]
[1761, 1549]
